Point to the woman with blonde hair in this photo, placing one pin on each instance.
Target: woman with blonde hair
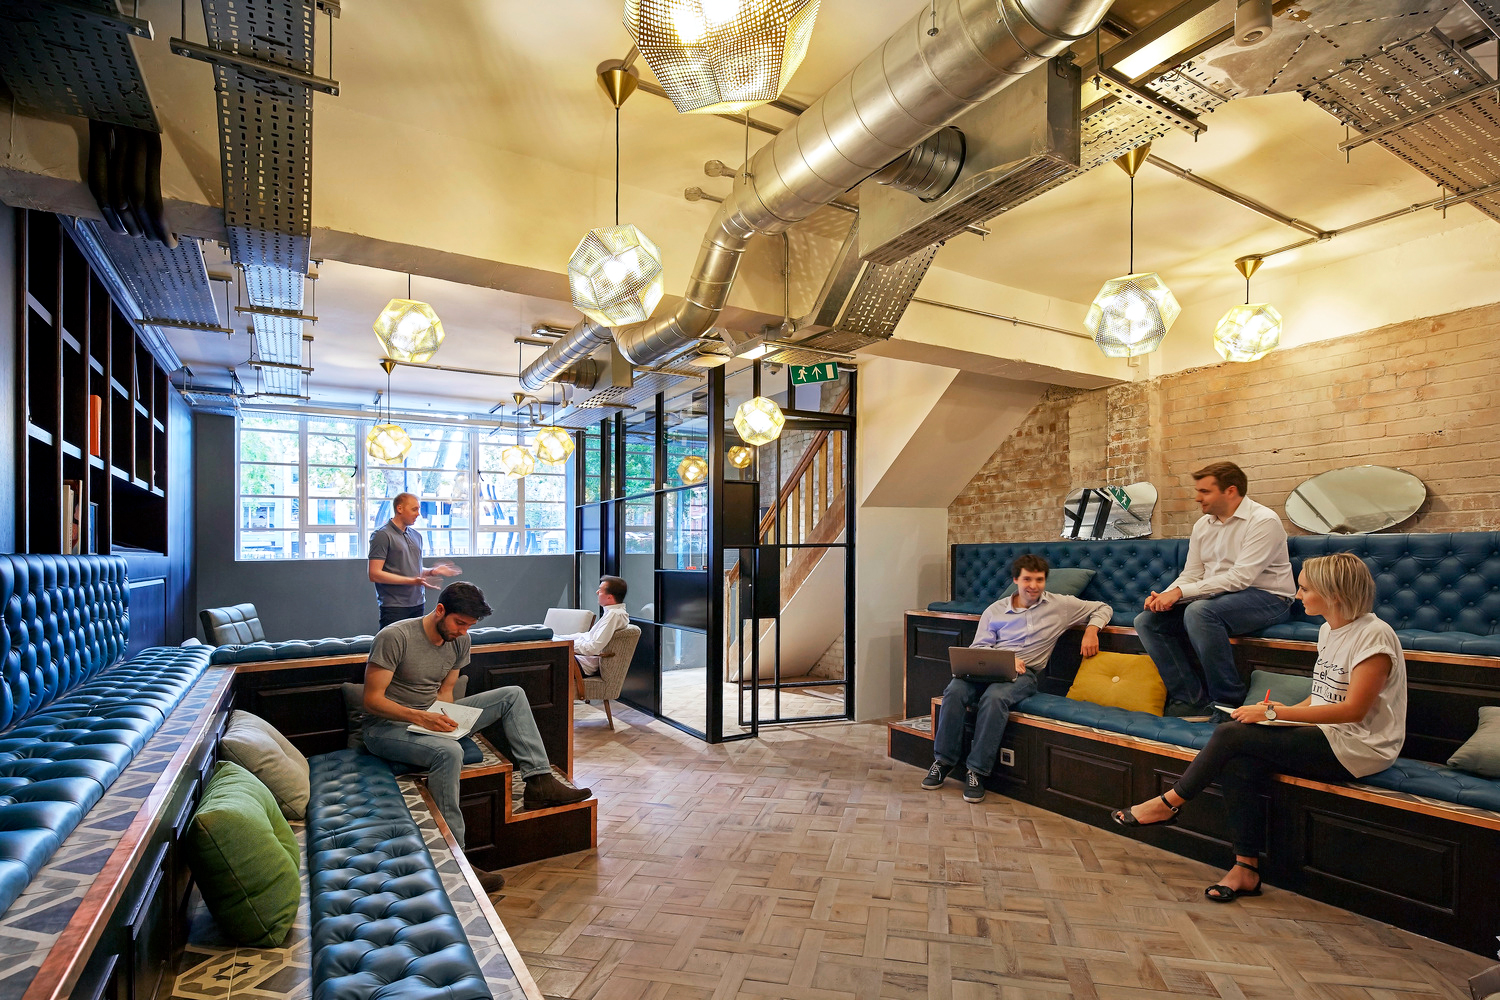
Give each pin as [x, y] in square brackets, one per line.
[1352, 725]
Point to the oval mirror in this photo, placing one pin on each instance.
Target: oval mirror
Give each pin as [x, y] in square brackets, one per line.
[1356, 500]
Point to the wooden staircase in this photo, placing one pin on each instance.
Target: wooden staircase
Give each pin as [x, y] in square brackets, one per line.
[811, 511]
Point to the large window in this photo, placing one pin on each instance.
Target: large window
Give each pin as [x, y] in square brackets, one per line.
[308, 490]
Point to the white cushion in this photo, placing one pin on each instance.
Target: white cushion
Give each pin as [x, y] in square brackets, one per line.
[254, 744]
[568, 621]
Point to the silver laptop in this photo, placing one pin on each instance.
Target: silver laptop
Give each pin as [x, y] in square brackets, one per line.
[982, 663]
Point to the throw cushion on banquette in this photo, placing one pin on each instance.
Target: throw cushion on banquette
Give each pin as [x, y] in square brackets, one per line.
[244, 859]
[1288, 689]
[254, 744]
[1123, 680]
[1480, 754]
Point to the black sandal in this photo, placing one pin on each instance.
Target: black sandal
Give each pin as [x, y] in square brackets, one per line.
[1125, 817]
[1224, 894]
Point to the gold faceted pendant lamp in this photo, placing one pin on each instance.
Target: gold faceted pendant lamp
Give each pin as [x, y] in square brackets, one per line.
[1248, 332]
[615, 274]
[692, 470]
[717, 57]
[1132, 313]
[759, 421]
[409, 330]
[388, 441]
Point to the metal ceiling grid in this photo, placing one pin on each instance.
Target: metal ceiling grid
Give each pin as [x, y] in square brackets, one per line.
[621, 398]
[74, 59]
[265, 133]
[1458, 147]
[882, 293]
[167, 283]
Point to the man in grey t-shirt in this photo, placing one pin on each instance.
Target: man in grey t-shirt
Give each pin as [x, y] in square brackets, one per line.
[396, 563]
[414, 664]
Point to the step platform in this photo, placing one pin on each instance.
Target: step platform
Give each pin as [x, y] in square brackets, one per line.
[502, 832]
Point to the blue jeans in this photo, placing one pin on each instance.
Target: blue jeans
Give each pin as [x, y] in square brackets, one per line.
[390, 616]
[444, 758]
[1207, 623]
[996, 699]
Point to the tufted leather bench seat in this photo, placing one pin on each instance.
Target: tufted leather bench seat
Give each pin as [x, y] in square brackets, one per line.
[1414, 777]
[1440, 592]
[382, 925]
[301, 649]
[72, 717]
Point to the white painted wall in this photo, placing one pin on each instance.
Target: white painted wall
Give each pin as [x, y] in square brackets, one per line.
[902, 564]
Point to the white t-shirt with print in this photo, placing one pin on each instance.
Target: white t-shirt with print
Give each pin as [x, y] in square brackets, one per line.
[1369, 745]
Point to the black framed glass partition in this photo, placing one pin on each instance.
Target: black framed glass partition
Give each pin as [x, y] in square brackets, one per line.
[738, 560]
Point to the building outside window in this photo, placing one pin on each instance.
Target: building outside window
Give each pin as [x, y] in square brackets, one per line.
[290, 464]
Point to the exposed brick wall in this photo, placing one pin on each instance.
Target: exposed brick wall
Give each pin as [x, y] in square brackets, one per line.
[1419, 395]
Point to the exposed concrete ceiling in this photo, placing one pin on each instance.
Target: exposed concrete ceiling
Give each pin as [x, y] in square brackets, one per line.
[473, 143]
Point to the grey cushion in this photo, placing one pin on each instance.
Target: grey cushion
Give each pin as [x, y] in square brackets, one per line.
[568, 621]
[1059, 581]
[254, 744]
[1481, 754]
[1289, 689]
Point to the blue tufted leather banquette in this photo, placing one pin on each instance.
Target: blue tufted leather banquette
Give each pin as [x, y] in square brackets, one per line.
[297, 649]
[1415, 777]
[382, 924]
[65, 620]
[73, 716]
[1440, 592]
[1125, 571]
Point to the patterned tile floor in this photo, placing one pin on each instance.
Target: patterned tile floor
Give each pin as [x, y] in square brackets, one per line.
[214, 969]
[808, 864]
[31, 926]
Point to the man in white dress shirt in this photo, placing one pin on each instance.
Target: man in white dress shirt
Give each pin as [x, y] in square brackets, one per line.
[587, 646]
[1238, 579]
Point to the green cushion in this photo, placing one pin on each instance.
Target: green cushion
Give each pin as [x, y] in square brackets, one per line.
[1059, 581]
[244, 859]
[1288, 689]
[1481, 754]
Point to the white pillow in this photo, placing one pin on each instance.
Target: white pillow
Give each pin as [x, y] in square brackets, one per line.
[568, 621]
[254, 744]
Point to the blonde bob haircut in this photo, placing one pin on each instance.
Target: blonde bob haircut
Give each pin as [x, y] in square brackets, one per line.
[1344, 581]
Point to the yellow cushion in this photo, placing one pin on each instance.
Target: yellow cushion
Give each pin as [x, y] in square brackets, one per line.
[1121, 680]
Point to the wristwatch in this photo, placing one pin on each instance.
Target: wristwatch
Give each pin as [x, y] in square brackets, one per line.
[1270, 713]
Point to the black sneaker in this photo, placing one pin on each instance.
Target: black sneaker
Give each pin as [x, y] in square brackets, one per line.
[1188, 711]
[937, 775]
[973, 787]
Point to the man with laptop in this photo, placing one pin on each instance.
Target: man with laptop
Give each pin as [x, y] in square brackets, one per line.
[1002, 668]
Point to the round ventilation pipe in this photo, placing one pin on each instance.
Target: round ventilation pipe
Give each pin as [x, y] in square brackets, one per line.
[1252, 22]
[928, 169]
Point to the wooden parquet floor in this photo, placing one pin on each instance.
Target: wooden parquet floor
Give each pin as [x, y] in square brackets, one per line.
[810, 865]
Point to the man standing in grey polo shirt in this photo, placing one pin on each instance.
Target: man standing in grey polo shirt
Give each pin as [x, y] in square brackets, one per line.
[401, 584]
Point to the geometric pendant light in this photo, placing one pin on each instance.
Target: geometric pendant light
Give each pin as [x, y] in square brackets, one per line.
[759, 421]
[387, 442]
[1248, 332]
[721, 56]
[615, 274]
[1132, 313]
[409, 330]
[553, 444]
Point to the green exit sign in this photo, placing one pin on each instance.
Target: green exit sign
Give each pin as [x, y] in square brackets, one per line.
[828, 371]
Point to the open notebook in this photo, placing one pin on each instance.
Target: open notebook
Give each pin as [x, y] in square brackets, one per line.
[461, 714]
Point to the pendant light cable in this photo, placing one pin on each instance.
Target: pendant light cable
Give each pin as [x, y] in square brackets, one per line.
[617, 165]
[1132, 225]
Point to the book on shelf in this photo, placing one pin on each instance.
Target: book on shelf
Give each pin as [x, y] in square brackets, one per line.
[72, 499]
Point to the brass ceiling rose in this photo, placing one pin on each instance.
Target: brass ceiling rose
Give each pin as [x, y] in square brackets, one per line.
[1248, 265]
[1131, 162]
[618, 80]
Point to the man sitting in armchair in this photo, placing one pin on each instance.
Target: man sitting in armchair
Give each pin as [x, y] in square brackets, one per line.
[588, 646]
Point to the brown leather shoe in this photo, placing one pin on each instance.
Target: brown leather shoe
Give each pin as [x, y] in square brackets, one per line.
[491, 882]
[544, 790]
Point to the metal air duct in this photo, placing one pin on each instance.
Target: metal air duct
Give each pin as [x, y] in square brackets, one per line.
[942, 62]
